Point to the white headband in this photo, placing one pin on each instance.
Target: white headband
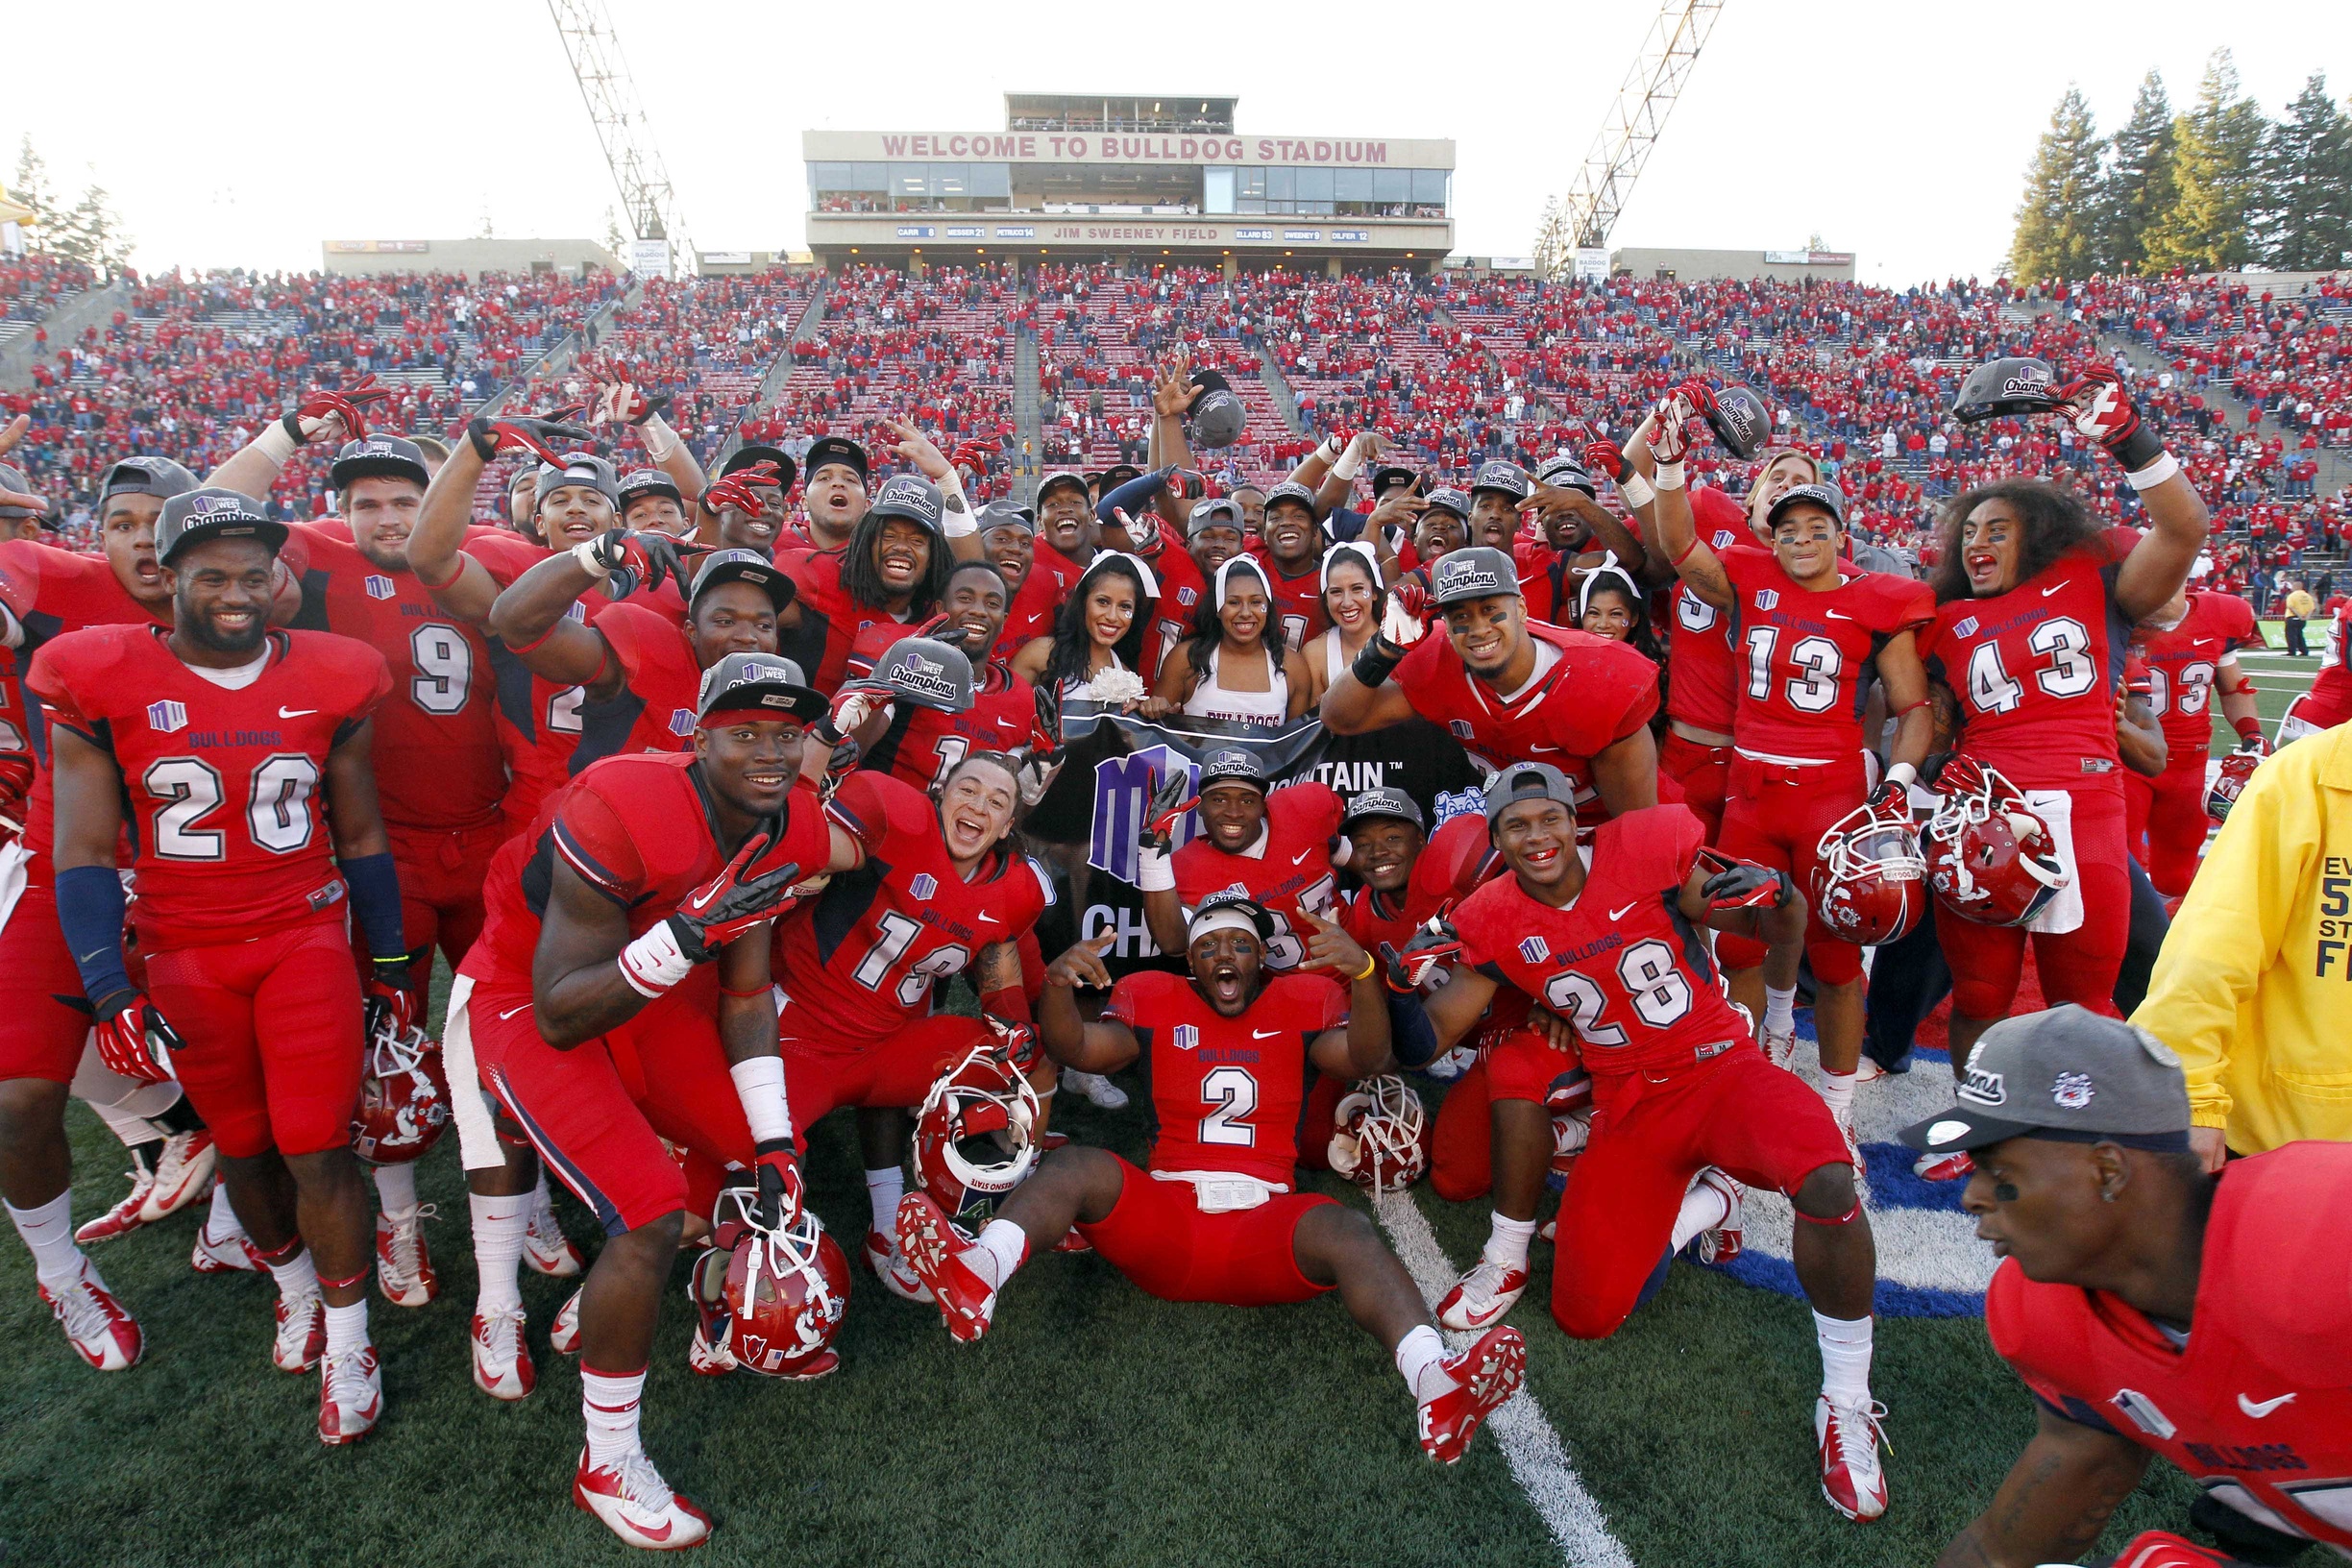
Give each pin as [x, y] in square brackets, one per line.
[1353, 547]
[1246, 564]
[1225, 918]
[1151, 583]
[1608, 568]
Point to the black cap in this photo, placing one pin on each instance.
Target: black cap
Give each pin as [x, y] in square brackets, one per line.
[157, 477]
[1219, 512]
[1291, 490]
[1215, 413]
[1827, 497]
[1117, 474]
[837, 448]
[2065, 1073]
[758, 683]
[911, 496]
[745, 455]
[648, 482]
[212, 513]
[1528, 781]
[580, 468]
[1505, 478]
[1740, 421]
[1480, 571]
[1232, 900]
[1382, 802]
[1562, 472]
[1233, 765]
[744, 566]
[2004, 387]
[1386, 476]
[378, 456]
[927, 672]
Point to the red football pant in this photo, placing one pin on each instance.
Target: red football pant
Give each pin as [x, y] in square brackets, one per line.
[2163, 823]
[1765, 1126]
[2078, 967]
[45, 1018]
[1776, 817]
[441, 872]
[1157, 1237]
[1703, 772]
[271, 1057]
[897, 1070]
[1516, 1064]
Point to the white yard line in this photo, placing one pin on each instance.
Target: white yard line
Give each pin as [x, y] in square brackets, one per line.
[1538, 1460]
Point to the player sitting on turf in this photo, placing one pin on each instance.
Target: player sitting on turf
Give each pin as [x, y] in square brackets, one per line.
[1678, 1082]
[1214, 1219]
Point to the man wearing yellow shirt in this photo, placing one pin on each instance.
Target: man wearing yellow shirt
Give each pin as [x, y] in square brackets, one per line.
[2253, 989]
[2299, 607]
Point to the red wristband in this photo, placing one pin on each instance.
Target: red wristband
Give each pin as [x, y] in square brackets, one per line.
[2248, 728]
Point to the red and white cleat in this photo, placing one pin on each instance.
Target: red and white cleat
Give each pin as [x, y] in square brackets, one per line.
[544, 1247]
[632, 1501]
[302, 1332]
[351, 1397]
[563, 1335]
[1480, 1379]
[1848, 1436]
[940, 1257]
[1727, 1241]
[503, 1365]
[224, 1255]
[1481, 1297]
[2162, 1549]
[1853, 1145]
[1780, 1050]
[882, 1257]
[707, 1357]
[95, 1324]
[404, 1268]
[1868, 1071]
[182, 1175]
[1955, 1167]
[127, 1214]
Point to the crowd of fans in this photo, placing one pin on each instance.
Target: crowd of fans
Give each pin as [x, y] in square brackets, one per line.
[30, 284]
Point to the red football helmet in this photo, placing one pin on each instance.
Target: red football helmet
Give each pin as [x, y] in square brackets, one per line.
[403, 1099]
[1376, 1135]
[1990, 859]
[2230, 782]
[1569, 1100]
[1870, 883]
[783, 1293]
[976, 1132]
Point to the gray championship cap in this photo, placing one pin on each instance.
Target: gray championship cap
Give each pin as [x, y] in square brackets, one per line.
[1221, 512]
[639, 482]
[1234, 765]
[378, 456]
[1480, 571]
[12, 478]
[1563, 471]
[1447, 498]
[1291, 490]
[927, 672]
[212, 513]
[1005, 514]
[1215, 413]
[2069, 1074]
[1505, 479]
[1528, 781]
[1827, 497]
[156, 477]
[743, 566]
[1382, 802]
[758, 686]
[580, 468]
[913, 499]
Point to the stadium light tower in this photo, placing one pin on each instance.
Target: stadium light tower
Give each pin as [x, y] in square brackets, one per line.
[1627, 132]
[593, 47]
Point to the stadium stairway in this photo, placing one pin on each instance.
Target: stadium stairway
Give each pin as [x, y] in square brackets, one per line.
[490, 490]
[1286, 402]
[779, 372]
[65, 324]
[1028, 416]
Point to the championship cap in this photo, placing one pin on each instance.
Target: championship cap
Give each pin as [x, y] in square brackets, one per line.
[1563, 471]
[837, 448]
[212, 513]
[1215, 413]
[757, 686]
[157, 477]
[911, 497]
[1233, 765]
[13, 478]
[2066, 1073]
[1828, 497]
[580, 468]
[639, 482]
[1291, 490]
[1229, 910]
[1507, 478]
[1117, 474]
[1004, 514]
[1480, 571]
[1060, 477]
[1382, 802]
[1447, 498]
[1999, 388]
[1739, 420]
[385, 456]
[1219, 512]
[1528, 781]
[744, 566]
[749, 453]
[928, 672]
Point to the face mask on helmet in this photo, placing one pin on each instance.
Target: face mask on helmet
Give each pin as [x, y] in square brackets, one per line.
[768, 1300]
[1990, 858]
[1376, 1135]
[1870, 883]
[403, 1099]
[975, 1135]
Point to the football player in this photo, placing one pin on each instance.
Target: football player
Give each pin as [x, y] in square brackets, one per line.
[1068, 538]
[1008, 541]
[1215, 1217]
[1274, 845]
[1291, 546]
[2192, 652]
[1509, 689]
[1677, 1082]
[241, 756]
[834, 496]
[621, 996]
[894, 569]
[923, 745]
[744, 508]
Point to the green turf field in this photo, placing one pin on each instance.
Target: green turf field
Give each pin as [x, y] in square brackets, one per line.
[1095, 1425]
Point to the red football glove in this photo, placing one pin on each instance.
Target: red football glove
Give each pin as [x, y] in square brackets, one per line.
[134, 1038]
[2104, 411]
[1892, 804]
[1405, 621]
[1432, 942]
[735, 489]
[322, 403]
[1018, 1041]
[734, 901]
[1606, 457]
[621, 401]
[631, 560]
[533, 434]
[15, 784]
[2162, 1549]
[1670, 434]
[390, 1007]
[971, 454]
[1739, 885]
[1169, 802]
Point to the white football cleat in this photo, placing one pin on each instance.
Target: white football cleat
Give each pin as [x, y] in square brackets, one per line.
[302, 1332]
[563, 1335]
[901, 1281]
[1848, 1436]
[129, 1213]
[1100, 1092]
[182, 1175]
[1453, 1063]
[1868, 1071]
[1853, 1145]
[1481, 1297]
[544, 1247]
[632, 1501]
[95, 1324]
[404, 1268]
[1779, 1049]
[351, 1396]
[1955, 1167]
[503, 1365]
[232, 1254]
[1727, 1241]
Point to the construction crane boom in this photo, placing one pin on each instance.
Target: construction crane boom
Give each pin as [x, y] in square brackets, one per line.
[593, 47]
[1627, 132]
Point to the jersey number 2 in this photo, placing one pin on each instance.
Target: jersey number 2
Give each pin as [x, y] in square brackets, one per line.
[1231, 1094]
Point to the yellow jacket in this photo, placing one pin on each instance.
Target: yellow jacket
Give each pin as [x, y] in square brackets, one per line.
[2253, 989]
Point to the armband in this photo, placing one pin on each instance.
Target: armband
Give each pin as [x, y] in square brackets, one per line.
[1154, 872]
[276, 442]
[376, 904]
[1669, 476]
[759, 1083]
[1349, 465]
[956, 521]
[2165, 467]
[654, 962]
[2248, 728]
[1637, 490]
[1376, 661]
[1412, 1039]
[89, 902]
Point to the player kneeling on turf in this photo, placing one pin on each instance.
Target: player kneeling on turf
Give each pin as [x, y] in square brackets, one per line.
[1214, 1219]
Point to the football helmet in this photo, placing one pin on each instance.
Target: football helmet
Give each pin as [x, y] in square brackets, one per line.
[1569, 1100]
[1870, 884]
[1376, 1135]
[779, 1293]
[404, 1098]
[2230, 782]
[975, 1134]
[1990, 859]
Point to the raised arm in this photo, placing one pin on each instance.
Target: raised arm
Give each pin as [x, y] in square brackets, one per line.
[533, 618]
[1363, 698]
[1100, 1046]
[329, 416]
[1677, 531]
[2159, 564]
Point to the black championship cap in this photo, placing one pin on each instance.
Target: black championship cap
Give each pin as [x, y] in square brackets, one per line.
[378, 456]
[1233, 765]
[212, 513]
[757, 686]
[1827, 497]
[639, 482]
[837, 448]
[743, 456]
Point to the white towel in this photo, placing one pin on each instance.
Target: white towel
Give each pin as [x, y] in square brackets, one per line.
[14, 857]
[2065, 912]
[477, 1144]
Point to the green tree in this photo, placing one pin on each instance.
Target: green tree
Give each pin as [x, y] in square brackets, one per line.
[2138, 183]
[2218, 167]
[92, 233]
[2306, 219]
[613, 241]
[2058, 220]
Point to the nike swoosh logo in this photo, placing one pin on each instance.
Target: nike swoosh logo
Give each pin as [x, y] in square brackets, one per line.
[513, 1011]
[1621, 914]
[2260, 1409]
[661, 1535]
[1300, 858]
[1270, 1034]
[2056, 587]
[295, 713]
[1008, 723]
[989, 919]
[1543, 748]
[703, 900]
[1839, 615]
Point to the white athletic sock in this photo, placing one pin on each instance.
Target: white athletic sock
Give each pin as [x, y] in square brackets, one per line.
[1781, 1011]
[396, 1190]
[1506, 1243]
[1837, 1088]
[221, 1224]
[498, 1228]
[883, 1190]
[1703, 1207]
[1419, 1353]
[347, 1328]
[48, 1235]
[609, 1406]
[1845, 1357]
[1003, 1246]
[298, 1277]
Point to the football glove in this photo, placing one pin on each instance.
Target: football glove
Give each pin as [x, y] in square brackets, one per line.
[389, 1006]
[781, 1196]
[1892, 804]
[1739, 885]
[2104, 411]
[1018, 1041]
[322, 403]
[620, 400]
[1432, 942]
[627, 561]
[852, 705]
[735, 490]
[1607, 458]
[734, 901]
[1169, 802]
[1670, 435]
[1048, 716]
[1404, 622]
[533, 434]
[134, 1038]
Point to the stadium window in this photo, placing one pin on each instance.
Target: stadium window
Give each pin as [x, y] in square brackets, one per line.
[1281, 190]
[1217, 190]
[910, 179]
[1352, 187]
[873, 177]
[1428, 189]
[992, 180]
[1392, 191]
[1314, 190]
[949, 179]
[832, 177]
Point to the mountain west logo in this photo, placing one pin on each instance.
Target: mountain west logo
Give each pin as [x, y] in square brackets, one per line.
[923, 887]
[166, 716]
[681, 721]
[1767, 598]
[1535, 949]
[1184, 1037]
[380, 587]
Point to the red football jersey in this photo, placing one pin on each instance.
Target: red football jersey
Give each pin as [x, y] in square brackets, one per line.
[1621, 964]
[920, 745]
[859, 962]
[1290, 870]
[2257, 1407]
[437, 758]
[1037, 601]
[1805, 656]
[2182, 664]
[655, 710]
[1226, 1093]
[637, 829]
[2035, 670]
[225, 789]
[1595, 694]
[1183, 586]
[830, 620]
[1448, 868]
[1703, 674]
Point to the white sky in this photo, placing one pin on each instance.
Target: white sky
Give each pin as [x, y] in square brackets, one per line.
[1898, 130]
